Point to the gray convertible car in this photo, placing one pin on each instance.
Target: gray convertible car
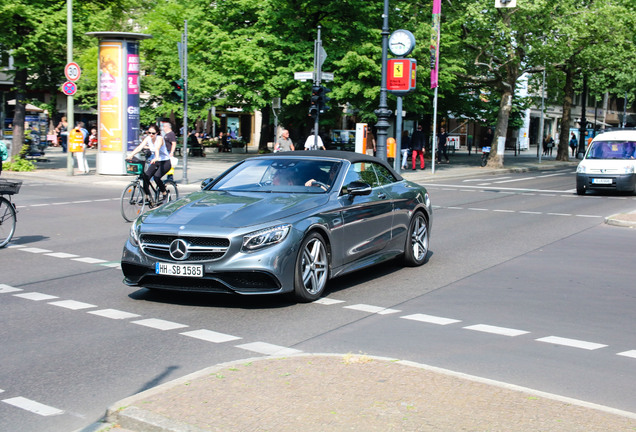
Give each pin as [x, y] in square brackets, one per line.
[281, 223]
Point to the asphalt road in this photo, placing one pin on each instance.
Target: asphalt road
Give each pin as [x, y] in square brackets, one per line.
[524, 284]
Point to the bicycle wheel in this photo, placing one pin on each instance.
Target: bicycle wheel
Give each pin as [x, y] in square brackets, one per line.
[173, 192]
[7, 221]
[133, 201]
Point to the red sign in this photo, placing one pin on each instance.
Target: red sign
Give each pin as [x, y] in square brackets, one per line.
[69, 88]
[72, 71]
[401, 75]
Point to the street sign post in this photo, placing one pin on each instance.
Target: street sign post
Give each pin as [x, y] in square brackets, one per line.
[69, 88]
[72, 71]
[304, 76]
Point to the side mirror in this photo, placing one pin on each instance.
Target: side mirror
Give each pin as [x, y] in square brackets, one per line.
[205, 183]
[358, 188]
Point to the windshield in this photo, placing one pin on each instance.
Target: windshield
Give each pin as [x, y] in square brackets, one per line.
[612, 150]
[280, 175]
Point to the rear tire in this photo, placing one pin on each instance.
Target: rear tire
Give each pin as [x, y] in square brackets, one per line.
[416, 248]
[312, 268]
[7, 221]
[133, 201]
[173, 192]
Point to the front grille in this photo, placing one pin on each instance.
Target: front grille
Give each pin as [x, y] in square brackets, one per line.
[199, 248]
[184, 284]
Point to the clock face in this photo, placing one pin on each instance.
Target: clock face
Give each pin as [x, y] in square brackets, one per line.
[401, 42]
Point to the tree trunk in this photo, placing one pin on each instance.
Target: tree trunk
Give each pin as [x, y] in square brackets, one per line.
[505, 107]
[20, 112]
[265, 129]
[568, 97]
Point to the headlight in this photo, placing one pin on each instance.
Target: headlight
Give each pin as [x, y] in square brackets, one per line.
[134, 232]
[265, 238]
[580, 169]
[628, 169]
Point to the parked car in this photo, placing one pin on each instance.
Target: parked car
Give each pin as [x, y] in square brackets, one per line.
[281, 223]
[609, 163]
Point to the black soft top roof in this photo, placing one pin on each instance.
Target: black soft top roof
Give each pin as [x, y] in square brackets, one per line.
[352, 157]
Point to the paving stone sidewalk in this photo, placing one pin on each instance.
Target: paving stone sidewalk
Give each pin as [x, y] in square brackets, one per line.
[351, 392]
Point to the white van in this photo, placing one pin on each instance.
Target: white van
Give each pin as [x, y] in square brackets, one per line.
[609, 163]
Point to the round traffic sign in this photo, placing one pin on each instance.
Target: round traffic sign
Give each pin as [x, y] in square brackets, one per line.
[69, 88]
[72, 71]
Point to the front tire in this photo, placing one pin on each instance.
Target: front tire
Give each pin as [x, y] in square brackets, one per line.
[173, 192]
[133, 201]
[580, 189]
[416, 248]
[7, 221]
[312, 269]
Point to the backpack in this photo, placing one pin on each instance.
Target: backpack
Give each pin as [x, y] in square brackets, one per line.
[4, 154]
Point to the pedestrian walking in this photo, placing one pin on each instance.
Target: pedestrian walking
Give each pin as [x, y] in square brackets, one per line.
[442, 140]
[62, 131]
[418, 141]
[405, 148]
[371, 144]
[314, 142]
[79, 137]
[285, 143]
[573, 144]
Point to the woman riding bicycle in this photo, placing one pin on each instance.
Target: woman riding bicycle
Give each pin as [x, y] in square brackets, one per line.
[158, 162]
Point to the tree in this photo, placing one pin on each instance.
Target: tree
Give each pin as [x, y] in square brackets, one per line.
[497, 47]
[34, 34]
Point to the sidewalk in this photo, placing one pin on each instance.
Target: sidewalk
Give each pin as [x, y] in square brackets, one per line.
[324, 393]
[330, 392]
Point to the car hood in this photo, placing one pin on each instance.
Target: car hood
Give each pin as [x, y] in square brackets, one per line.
[233, 209]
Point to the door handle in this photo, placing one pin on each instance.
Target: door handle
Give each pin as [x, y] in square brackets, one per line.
[382, 196]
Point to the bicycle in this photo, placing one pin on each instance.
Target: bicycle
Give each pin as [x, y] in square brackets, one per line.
[7, 210]
[134, 199]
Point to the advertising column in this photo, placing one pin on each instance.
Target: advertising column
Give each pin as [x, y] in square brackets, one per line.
[118, 99]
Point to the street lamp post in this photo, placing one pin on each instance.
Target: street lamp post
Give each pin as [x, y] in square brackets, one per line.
[383, 112]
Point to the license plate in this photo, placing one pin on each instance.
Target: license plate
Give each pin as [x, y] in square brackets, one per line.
[184, 270]
[602, 181]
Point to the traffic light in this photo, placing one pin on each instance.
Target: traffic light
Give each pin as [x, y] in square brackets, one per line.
[319, 100]
[178, 90]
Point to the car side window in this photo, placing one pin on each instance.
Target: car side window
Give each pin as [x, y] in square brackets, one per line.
[361, 172]
[385, 176]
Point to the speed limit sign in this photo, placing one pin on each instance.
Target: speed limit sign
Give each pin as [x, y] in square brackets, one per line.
[72, 71]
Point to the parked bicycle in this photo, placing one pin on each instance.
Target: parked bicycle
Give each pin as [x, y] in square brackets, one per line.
[134, 200]
[485, 154]
[7, 209]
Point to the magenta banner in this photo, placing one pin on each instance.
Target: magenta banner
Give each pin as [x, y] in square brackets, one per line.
[435, 32]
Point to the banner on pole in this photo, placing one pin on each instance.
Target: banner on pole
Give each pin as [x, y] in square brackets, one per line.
[435, 34]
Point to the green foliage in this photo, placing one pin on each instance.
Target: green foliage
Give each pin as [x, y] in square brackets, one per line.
[18, 164]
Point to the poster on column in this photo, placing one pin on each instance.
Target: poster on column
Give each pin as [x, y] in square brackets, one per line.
[110, 96]
[132, 110]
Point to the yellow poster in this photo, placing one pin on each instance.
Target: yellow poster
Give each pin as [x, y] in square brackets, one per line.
[398, 70]
[110, 96]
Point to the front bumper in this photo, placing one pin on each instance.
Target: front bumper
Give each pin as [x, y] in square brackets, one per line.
[617, 182]
[269, 271]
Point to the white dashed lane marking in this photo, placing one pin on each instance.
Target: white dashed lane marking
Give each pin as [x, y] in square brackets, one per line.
[268, 349]
[211, 336]
[430, 319]
[159, 324]
[36, 296]
[72, 304]
[571, 343]
[113, 314]
[33, 406]
[631, 353]
[372, 309]
[496, 330]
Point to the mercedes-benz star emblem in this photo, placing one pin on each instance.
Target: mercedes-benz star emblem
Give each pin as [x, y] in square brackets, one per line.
[179, 249]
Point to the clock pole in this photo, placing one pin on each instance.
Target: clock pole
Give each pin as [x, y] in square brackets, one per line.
[383, 112]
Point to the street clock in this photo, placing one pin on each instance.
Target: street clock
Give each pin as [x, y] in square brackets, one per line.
[401, 42]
